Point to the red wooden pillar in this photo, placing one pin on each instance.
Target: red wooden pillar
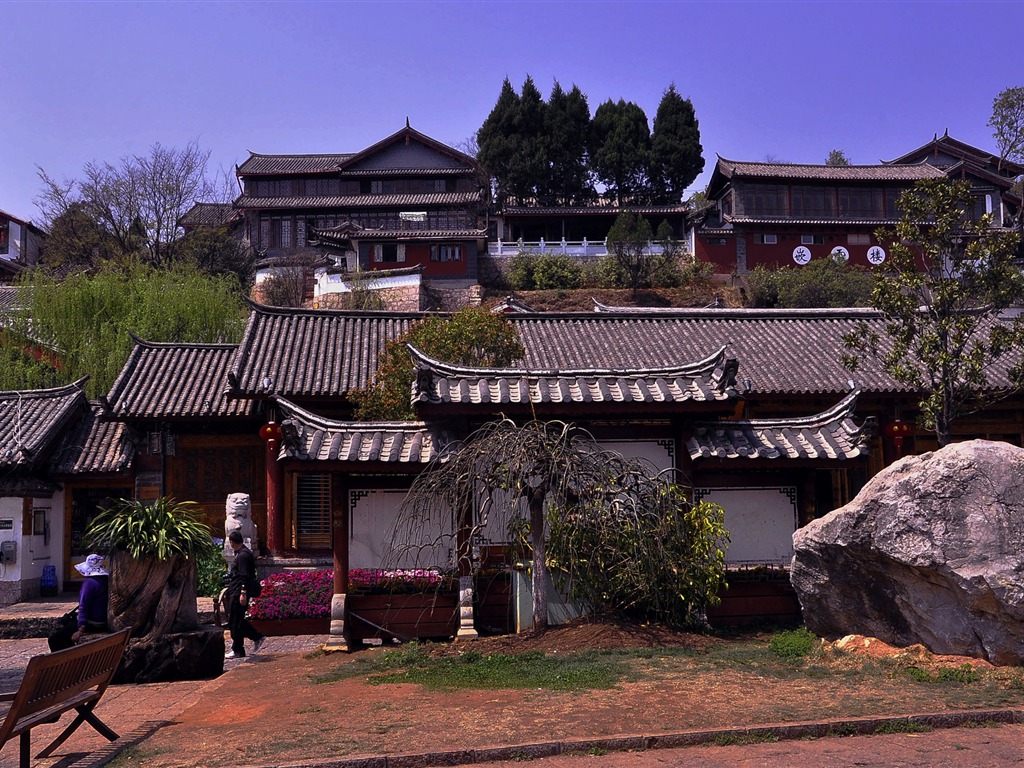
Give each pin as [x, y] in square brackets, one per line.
[271, 433]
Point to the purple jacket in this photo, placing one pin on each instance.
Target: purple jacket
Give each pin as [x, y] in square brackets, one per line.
[92, 601]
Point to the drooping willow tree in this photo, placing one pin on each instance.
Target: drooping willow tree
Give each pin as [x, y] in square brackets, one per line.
[618, 535]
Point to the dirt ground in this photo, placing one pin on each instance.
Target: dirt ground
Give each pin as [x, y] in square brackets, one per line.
[270, 710]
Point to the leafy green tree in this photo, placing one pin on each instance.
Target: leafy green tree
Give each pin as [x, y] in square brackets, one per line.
[216, 252]
[87, 319]
[629, 242]
[567, 131]
[1007, 123]
[677, 157]
[76, 242]
[621, 536]
[620, 147]
[471, 336]
[942, 291]
[837, 158]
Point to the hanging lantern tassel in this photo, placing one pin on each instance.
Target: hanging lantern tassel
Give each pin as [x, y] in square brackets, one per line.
[270, 431]
[898, 430]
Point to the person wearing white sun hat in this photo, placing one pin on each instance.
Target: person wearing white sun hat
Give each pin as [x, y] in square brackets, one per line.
[92, 605]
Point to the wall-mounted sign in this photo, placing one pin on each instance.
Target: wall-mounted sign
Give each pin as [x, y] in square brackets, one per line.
[6, 523]
[840, 254]
[801, 255]
[876, 254]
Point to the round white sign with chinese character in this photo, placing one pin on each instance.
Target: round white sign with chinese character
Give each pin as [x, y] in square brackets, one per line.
[840, 254]
[876, 254]
[801, 255]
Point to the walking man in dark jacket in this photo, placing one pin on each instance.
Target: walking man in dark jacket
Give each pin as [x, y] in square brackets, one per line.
[241, 575]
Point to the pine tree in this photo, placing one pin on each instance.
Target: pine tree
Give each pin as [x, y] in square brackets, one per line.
[497, 140]
[530, 169]
[568, 126]
[620, 145]
[677, 156]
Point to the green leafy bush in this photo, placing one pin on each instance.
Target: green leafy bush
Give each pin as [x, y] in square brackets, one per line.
[553, 272]
[159, 529]
[793, 644]
[210, 569]
[530, 271]
[822, 283]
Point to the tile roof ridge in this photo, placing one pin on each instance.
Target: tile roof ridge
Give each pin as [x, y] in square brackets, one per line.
[266, 309]
[46, 392]
[731, 312]
[315, 419]
[706, 366]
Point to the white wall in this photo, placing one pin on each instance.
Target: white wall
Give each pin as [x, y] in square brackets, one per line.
[20, 579]
[760, 521]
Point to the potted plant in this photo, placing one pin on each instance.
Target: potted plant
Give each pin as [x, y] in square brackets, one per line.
[153, 548]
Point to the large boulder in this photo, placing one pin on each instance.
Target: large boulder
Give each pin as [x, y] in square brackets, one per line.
[931, 551]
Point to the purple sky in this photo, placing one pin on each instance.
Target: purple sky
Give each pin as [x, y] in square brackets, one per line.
[94, 81]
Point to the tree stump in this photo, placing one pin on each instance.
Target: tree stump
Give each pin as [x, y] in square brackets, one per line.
[153, 597]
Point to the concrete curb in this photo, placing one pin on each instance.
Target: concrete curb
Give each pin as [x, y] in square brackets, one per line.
[860, 726]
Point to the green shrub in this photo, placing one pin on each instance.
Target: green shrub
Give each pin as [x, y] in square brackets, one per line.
[210, 569]
[557, 271]
[822, 283]
[793, 644]
[521, 268]
[762, 287]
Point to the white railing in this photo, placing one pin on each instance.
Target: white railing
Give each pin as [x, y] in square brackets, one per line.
[582, 249]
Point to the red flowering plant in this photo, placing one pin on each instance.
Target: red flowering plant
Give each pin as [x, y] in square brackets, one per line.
[402, 580]
[294, 595]
[307, 594]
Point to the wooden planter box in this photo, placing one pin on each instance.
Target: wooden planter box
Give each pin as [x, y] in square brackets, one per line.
[432, 615]
[279, 627]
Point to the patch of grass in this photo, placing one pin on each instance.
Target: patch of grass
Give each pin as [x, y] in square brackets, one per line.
[128, 756]
[740, 739]
[902, 726]
[963, 674]
[982, 724]
[570, 672]
[597, 752]
[792, 644]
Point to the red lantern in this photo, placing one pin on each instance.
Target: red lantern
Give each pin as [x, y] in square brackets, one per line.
[898, 430]
[270, 431]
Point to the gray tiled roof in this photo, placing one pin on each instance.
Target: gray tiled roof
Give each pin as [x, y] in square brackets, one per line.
[94, 446]
[362, 201]
[348, 234]
[31, 420]
[707, 380]
[182, 381]
[909, 173]
[591, 210]
[780, 351]
[832, 434]
[208, 215]
[827, 220]
[261, 165]
[310, 437]
[326, 353]
[313, 353]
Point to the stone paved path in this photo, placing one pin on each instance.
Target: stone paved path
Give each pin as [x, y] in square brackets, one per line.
[128, 709]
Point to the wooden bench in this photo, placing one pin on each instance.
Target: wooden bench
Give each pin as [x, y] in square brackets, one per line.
[75, 678]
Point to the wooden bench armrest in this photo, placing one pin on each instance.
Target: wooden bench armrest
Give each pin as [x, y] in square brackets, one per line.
[8, 696]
